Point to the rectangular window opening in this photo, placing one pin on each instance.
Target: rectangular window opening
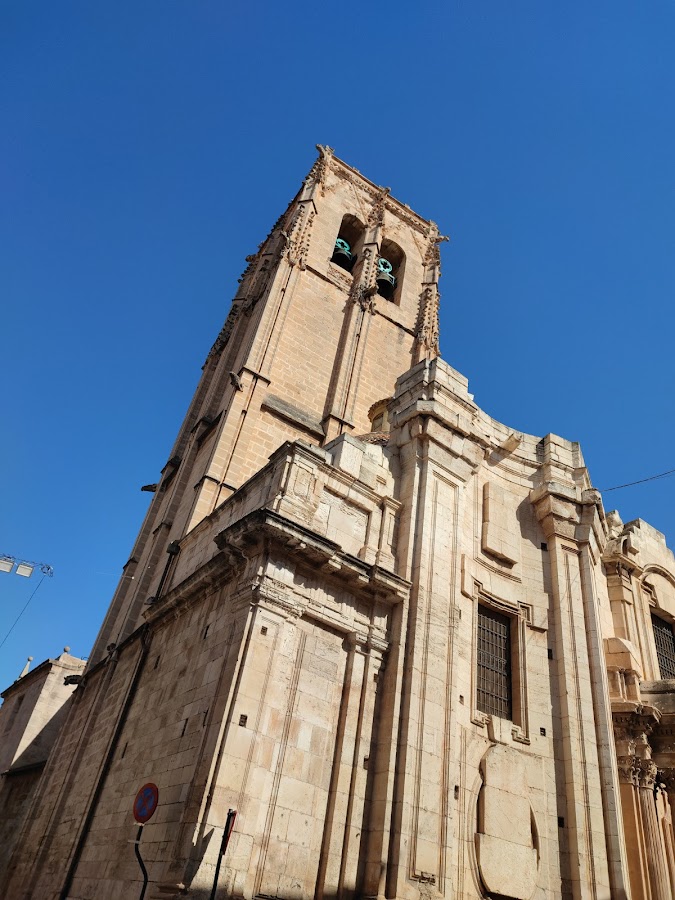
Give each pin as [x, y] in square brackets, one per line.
[494, 663]
[665, 646]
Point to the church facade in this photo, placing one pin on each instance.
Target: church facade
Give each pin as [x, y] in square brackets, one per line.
[405, 642]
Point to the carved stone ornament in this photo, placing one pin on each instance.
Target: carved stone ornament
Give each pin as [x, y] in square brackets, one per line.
[663, 740]
[258, 285]
[629, 770]
[667, 778]
[432, 257]
[376, 214]
[368, 268]
[364, 291]
[634, 727]
[276, 595]
[427, 330]
[297, 240]
[225, 332]
[364, 296]
[647, 772]
[321, 167]
[251, 259]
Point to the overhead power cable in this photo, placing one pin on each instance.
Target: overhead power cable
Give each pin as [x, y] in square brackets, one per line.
[24, 609]
[641, 481]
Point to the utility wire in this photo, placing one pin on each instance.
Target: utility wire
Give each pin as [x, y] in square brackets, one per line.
[24, 609]
[617, 487]
[641, 481]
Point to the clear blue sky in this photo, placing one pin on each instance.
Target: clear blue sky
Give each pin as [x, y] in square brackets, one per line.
[147, 147]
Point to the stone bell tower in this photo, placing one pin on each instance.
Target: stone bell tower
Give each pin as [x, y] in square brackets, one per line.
[402, 640]
[340, 298]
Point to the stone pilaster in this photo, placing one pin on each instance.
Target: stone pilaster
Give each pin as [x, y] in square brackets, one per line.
[573, 522]
[437, 465]
[354, 337]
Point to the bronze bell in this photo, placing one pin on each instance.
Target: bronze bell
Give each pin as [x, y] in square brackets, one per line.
[342, 255]
[385, 278]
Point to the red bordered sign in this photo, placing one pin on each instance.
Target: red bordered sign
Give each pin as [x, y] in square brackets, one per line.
[146, 802]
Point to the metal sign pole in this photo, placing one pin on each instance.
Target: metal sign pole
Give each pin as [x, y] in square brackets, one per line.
[137, 851]
[144, 808]
[227, 831]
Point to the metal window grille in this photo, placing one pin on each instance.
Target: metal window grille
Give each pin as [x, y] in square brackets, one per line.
[665, 646]
[494, 663]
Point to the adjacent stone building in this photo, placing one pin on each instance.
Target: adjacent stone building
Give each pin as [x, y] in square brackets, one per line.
[32, 713]
[404, 641]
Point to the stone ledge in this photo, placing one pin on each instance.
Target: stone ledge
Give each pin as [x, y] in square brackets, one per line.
[293, 414]
[248, 534]
[313, 549]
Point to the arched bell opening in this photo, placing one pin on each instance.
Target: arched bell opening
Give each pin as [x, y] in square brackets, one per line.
[348, 243]
[390, 266]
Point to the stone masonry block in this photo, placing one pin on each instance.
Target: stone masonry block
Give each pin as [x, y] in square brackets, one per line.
[507, 869]
[347, 454]
[505, 815]
[501, 529]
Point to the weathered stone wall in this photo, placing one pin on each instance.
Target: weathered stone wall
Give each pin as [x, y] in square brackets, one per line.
[228, 646]
[473, 532]
[16, 792]
[56, 816]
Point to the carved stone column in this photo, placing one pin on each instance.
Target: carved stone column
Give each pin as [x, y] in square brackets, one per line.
[657, 865]
[666, 785]
[629, 779]
[644, 810]
[663, 743]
